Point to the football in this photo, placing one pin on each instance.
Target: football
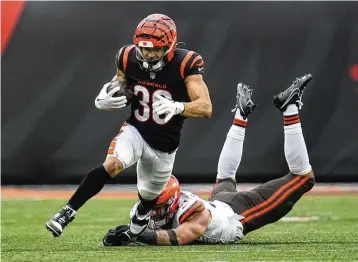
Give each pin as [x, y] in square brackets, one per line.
[125, 90]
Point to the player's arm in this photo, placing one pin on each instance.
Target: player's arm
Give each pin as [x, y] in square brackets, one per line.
[104, 100]
[200, 105]
[191, 71]
[185, 233]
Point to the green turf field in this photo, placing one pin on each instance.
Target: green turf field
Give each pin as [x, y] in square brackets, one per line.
[24, 237]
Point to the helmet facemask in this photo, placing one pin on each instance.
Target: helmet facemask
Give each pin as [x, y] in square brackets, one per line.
[154, 64]
[163, 214]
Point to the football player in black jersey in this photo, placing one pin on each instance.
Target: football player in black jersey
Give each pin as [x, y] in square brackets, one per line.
[167, 87]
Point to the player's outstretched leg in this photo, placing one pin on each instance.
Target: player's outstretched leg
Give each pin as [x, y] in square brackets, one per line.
[289, 102]
[231, 152]
[92, 184]
[273, 200]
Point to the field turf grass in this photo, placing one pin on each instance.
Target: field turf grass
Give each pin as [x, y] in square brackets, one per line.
[334, 237]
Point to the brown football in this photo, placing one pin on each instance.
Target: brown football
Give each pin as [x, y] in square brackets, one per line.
[124, 90]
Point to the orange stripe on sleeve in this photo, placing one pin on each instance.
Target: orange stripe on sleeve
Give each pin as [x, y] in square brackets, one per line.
[195, 60]
[277, 202]
[193, 210]
[125, 57]
[110, 151]
[184, 62]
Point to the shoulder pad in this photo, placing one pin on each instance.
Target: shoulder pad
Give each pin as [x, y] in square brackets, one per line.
[188, 209]
[122, 57]
[192, 64]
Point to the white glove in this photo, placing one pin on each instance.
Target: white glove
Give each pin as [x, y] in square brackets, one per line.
[105, 101]
[163, 105]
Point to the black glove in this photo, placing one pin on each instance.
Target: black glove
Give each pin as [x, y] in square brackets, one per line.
[121, 236]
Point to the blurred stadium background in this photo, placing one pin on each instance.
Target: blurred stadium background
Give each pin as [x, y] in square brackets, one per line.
[55, 57]
[61, 53]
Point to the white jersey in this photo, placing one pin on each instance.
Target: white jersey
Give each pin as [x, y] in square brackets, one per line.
[224, 227]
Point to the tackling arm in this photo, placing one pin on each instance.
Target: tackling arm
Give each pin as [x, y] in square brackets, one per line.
[184, 234]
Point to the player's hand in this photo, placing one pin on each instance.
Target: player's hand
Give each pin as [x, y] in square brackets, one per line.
[106, 101]
[125, 237]
[168, 107]
[121, 236]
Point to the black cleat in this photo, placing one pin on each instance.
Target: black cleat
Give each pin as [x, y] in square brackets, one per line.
[57, 224]
[293, 94]
[243, 100]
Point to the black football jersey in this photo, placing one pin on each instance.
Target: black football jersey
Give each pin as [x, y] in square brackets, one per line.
[168, 82]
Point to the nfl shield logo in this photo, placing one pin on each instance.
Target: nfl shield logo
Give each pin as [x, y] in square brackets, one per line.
[152, 75]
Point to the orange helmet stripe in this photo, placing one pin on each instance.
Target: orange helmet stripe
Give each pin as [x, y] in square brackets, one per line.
[156, 25]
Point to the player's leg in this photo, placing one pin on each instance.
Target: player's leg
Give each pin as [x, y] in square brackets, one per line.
[271, 201]
[153, 172]
[124, 151]
[231, 152]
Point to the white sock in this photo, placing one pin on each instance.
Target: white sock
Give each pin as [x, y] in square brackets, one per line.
[295, 146]
[231, 152]
[291, 110]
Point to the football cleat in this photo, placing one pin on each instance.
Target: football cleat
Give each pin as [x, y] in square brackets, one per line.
[57, 224]
[293, 94]
[139, 223]
[243, 100]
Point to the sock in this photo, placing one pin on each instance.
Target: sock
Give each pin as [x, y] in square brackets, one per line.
[91, 185]
[295, 147]
[291, 110]
[140, 220]
[231, 152]
[145, 205]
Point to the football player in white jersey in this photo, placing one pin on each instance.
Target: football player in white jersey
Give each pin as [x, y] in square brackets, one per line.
[181, 218]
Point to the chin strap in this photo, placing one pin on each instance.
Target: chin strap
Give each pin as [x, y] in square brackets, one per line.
[153, 68]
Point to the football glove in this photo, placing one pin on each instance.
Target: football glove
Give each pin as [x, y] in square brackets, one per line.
[121, 236]
[168, 107]
[106, 101]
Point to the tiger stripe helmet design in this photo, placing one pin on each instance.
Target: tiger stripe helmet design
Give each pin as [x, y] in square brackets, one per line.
[156, 30]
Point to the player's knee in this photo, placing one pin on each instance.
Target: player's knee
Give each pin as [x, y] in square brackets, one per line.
[310, 174]
[310, 182]
[147, 195]
[312, 177]
[113, 166]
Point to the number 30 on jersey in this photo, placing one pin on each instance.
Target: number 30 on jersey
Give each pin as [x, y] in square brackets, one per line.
[145, 111]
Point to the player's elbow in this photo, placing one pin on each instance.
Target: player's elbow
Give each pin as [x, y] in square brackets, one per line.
[185, 240]
[208, 110]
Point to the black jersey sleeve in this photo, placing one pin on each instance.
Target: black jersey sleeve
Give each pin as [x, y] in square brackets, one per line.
[192, 64]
